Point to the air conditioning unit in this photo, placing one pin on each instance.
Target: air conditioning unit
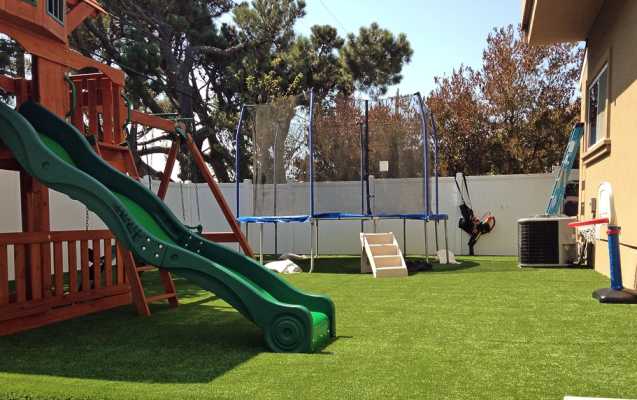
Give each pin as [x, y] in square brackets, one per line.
[546, 241]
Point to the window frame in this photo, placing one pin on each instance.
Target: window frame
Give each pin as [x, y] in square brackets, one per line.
[62, 8]
[599, 136]
[594, 152]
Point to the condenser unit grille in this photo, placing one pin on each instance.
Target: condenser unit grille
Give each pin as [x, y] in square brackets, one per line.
[538, 242]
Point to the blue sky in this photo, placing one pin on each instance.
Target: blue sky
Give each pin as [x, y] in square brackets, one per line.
[442, 33]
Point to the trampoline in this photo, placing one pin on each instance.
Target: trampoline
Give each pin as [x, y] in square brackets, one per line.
[374, 160]
[272, 148]
[306, 159]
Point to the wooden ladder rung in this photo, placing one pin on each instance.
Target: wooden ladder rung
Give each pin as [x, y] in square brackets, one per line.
[160, 297]
[221, 237]
[146, 268]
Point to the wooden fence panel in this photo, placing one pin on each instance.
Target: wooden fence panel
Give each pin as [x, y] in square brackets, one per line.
[35, 271]
[58, 267]
[4, 275]
[45, 249]
[20, 273]
[108, 262]
[97, 273]
[72, 254]
[86, 276]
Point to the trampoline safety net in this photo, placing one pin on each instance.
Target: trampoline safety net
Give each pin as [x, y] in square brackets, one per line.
[273, 146]
[398, 162]
[347, 158]
[337, 135]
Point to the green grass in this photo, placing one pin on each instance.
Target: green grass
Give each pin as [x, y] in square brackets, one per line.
[481, 330]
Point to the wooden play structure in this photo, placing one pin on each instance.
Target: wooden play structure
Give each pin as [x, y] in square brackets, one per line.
[59, 275]
[381, 255]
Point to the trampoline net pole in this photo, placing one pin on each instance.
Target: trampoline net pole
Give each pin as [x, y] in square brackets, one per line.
[237, 161]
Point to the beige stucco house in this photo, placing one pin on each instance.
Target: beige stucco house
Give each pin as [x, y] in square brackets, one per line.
[609, 106]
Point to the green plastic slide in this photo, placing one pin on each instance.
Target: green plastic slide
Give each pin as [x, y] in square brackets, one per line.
[60, 157]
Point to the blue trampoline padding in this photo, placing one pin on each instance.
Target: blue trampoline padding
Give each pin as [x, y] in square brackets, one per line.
[438, 217]
[336, 215]
[419, 217]
[283, 219]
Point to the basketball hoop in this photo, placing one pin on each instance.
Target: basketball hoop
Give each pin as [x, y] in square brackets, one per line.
[616, 293]
[589, 230]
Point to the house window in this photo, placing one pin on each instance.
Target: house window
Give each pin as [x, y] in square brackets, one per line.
[597, 95]
[55, 8]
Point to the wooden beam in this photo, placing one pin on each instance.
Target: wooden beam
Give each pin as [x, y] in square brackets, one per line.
[7, 84]
[168, 171]
[137, 289]
[5, 154]
[55, 236]
[10, 165]
[64, 313]
[52, 50]
[12, 311]
[96, 5]
[220, 237]
[78, 14]
[152, 121]
[221, 200]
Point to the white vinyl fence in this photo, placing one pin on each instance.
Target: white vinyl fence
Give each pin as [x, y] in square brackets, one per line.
[508, 197]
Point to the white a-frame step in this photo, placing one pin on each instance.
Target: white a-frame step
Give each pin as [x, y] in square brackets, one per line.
[381, 255]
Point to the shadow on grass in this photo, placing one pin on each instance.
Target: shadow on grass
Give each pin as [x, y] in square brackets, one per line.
[194, 343]
[332, 265]
[351, 265]
[444, 268]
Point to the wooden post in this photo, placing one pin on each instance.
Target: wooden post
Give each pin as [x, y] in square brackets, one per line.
[92, 108]
[221, 200]
[136, 284]
[168, 171]
[107, 110]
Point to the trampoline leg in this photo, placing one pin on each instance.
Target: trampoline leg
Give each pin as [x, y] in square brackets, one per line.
[311, 246]
[375, 227]
[247, 232]
[436, 234]
[446, 242]
[404, 238]
[426, 243]
[276, 239]
[316, 238]
[261, 243]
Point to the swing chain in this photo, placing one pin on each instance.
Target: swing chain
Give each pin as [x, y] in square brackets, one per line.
[197, 201]
[183, 207]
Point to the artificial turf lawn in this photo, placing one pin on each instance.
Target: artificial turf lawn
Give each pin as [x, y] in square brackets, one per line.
[482, 330]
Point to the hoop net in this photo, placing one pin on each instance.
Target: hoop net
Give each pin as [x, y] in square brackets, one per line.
[589, 231]
[588, 234]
